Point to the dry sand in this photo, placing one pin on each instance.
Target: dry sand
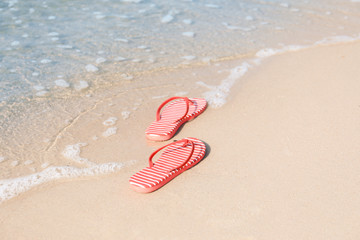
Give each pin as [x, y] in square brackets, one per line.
[283, 163]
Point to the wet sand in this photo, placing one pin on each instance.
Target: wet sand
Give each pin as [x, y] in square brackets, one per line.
[282, 163]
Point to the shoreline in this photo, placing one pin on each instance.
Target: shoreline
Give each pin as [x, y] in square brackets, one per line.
[224, 74]
[290, 122]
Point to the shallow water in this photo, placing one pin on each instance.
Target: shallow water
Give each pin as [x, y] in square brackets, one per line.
[60, 59]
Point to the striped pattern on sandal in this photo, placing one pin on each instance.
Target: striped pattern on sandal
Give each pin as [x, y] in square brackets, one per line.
[175, 159]
[175, 112]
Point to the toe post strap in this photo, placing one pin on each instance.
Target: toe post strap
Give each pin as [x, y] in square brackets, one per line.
[187, 101]
[186, 143]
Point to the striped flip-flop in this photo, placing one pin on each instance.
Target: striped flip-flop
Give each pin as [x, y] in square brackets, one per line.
[176, 158]
[171, 114]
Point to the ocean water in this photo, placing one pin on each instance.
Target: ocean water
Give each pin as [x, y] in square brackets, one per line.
[60, 59]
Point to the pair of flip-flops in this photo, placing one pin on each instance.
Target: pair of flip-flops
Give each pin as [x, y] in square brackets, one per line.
[177, 156]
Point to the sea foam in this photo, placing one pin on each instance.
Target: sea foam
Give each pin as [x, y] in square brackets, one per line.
[188, 34]
[81, 85]
[91, 68]
[216, 97]
[72, 152]
[110, 131]
[10, 188]
[110, 121]
[62, 83]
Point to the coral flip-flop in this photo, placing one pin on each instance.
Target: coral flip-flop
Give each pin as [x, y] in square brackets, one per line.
[176, 158]
[171, 114]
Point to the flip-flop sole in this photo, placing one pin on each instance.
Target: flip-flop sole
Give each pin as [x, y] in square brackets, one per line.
[152, 178]
[167, 126]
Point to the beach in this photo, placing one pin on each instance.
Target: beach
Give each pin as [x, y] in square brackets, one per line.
[282, 158]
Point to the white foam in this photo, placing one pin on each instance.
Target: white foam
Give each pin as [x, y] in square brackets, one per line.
[81, 85]
[72, 152]
[132, 1]
[122, 40]
[110, 121]
[285, 5]
[2, 159]
[209, 5]
[62, 83]
[25, 35]
[188, 21]
[53, 34]
[125, 114]
[337, 39]
[143, 10]
[142, 47]
[44, 61]
[216, 97]
[189, 58]
[38, 87]
[42, 93]
[249, 18]
[51, 17]
[15, 43]
[65, 46]
[100, 16]
[91, 68]
[110, 131]
[120, 59]
[268, 52]
[10, 188]
[188, 34]
[168, 18]
[54, 39]
[12, 3]
[100, 60]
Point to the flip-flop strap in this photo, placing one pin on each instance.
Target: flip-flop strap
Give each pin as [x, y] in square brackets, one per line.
[186, 142]
[187, 101]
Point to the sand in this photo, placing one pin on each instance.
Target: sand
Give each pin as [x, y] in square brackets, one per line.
[283, 163]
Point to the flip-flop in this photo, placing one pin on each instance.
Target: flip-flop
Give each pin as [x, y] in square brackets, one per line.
[173, 113]
[176, 158]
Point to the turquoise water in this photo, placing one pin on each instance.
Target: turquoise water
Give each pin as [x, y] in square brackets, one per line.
[57, 55]
[45, 45]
